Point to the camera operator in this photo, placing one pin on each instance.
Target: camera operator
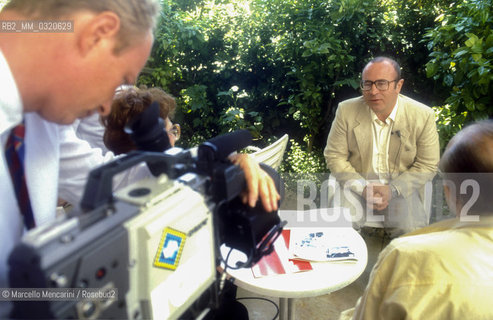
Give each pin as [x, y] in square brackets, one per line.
[55, 78]
[130, 103]
[106, 133]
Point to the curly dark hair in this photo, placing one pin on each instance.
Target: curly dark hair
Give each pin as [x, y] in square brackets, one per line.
[127, 104]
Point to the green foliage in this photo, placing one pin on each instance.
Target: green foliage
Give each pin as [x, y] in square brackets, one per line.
[298, 160]
[282, 66]
[235, 118]
[462, 58]
[320, 46]
[195, 57]
[301, 165]
[409, 22]
[448, 123]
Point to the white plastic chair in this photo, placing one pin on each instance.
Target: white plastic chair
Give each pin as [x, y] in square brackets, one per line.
[272, 154]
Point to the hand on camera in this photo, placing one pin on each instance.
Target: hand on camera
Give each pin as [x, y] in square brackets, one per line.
[259, 183]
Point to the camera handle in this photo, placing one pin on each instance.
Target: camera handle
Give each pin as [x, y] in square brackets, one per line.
[99, 186]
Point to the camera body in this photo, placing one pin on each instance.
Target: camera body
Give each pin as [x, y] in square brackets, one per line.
[171, 256]
[155, 242]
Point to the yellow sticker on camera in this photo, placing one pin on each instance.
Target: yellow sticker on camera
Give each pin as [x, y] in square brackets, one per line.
[170, 249]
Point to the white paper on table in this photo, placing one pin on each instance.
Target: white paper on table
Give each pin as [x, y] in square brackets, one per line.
[322, 244]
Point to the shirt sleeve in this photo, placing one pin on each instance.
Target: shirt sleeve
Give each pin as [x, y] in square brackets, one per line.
[78, 158]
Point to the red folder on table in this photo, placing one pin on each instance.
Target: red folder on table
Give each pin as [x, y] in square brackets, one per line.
[279, 262]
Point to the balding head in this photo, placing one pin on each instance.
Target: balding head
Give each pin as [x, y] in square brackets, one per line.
[381, 59]
[470, 150]
[467, 164]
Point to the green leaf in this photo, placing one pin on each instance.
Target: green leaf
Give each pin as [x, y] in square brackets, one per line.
[472, 39]
[431, 69]
[481, 70]
[323, 48]
[306, 53]
[470, 106]
[448, 80]
[224, 93]
[460, 53]
[477, 56]
[354, 83]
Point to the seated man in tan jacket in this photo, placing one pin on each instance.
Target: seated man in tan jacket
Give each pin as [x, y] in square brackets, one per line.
[382, 148]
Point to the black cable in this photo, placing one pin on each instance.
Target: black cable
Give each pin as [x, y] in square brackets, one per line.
[218, 244]
[224, 275]
[239, 264]
[264, 299]
[223, 278]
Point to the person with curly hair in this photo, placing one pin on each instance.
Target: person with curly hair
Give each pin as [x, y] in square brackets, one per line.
[128, 104]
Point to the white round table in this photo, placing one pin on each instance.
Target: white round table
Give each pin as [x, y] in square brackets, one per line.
[325, 277]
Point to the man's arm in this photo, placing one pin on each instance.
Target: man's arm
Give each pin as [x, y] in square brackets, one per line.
[336, 154]
[425, 165]
[78, 158]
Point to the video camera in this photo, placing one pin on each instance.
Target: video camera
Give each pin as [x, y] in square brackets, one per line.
[156, 242]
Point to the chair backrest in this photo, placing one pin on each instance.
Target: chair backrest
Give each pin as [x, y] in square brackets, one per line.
[272, 154]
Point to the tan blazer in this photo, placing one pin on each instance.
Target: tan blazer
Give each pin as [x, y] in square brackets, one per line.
[413, 149]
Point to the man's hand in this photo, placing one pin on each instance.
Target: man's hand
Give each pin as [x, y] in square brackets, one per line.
[377, 196]
[259, 183]
[384, 191]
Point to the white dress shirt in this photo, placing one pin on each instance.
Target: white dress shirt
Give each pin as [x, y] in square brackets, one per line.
[381, 131]
[54, 158]
[91, 130]
[78, 158]
[41, 170]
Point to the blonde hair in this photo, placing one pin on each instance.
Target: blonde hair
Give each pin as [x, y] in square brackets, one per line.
[137, 17]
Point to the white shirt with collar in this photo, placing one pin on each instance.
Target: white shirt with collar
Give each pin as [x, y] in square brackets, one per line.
[41, 170]
[57, 163]
[381, 131]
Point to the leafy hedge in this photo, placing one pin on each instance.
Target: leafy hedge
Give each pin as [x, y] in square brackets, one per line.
[461, 47]
[282, 66]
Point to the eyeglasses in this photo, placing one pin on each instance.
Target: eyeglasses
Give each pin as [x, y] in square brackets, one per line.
[381, 84]
[175, 131]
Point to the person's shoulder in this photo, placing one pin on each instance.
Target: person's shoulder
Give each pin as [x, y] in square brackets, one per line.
[442, 225]
[426, 252]
[412, 105]
[415, 252]
[42, 127]
[356, 101]
[423, 242]
[352, 105]
[409, 240]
